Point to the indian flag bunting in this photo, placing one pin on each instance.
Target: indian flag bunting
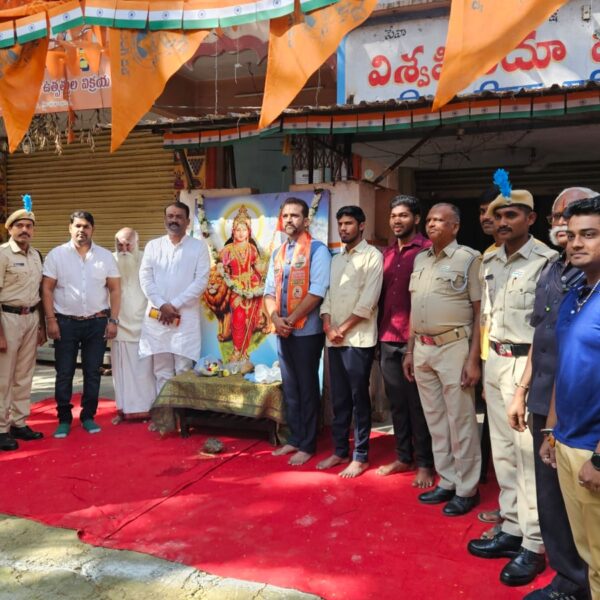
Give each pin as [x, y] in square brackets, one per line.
[294, 124]
[66, 16]
[249, 131]
[423, 117]
[344, 123]
[548, 106]
[272, 9]
[272, 129]
[100, 12]
[177, 141]
[583, 101]
[210, 138]
[308, 5]
[197, 16]
[165, 15]
[238, 14]
[131, 14]
[370, 122]
[515, 108]
[483, 110]
[7, 34]
[398, 119]
[229, 135]
[455, 113]
[31, 28]
[318, 124]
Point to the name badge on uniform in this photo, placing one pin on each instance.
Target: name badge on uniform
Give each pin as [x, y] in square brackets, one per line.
[517, 274]
[445, 268]
[18, 264]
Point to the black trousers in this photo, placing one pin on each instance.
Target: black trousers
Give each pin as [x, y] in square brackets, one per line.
[299, 358]
[413, 441]
[349, 374]
[89, 336]
[571, 571]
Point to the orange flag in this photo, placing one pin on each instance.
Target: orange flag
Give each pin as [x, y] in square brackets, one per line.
[141, 63]
[21, 76]
[298, 48]
[483, 32]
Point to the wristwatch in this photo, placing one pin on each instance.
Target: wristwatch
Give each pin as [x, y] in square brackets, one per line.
[596, 460]
[113, 321]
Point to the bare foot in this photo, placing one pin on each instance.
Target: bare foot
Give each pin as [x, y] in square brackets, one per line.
[396, 467]
[299, 458]
[331, 461]
[354, 469]
[287, 449]
[424, 478]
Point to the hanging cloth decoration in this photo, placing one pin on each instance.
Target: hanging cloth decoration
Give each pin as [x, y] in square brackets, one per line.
[480, 34]
[296, 51]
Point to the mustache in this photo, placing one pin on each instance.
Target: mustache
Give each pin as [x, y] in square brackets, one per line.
[502, 229]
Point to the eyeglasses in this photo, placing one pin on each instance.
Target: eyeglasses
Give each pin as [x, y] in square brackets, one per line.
[555, 217]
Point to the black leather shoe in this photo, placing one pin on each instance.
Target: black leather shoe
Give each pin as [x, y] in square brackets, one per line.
[25, 433]
[8, 443]
[523, 568]
[461, 505]
[552, 593]
[502, 545]
[436, 496]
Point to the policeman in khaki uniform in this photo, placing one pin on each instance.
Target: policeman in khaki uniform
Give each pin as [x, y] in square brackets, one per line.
[21, 329]
[443, 357]
[509, 277]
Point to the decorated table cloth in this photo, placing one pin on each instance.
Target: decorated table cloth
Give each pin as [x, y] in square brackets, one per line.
[229, 395]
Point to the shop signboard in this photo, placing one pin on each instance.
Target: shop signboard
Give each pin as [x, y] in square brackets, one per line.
[402, 59]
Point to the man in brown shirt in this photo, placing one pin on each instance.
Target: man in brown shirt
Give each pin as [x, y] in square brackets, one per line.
[21, 328]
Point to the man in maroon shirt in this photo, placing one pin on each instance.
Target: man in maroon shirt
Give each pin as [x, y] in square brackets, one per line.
[413, 442]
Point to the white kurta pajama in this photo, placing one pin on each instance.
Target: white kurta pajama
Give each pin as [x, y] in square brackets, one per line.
[176, 274]
[133, 377]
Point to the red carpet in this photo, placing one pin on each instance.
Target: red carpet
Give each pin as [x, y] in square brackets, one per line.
[246, 514]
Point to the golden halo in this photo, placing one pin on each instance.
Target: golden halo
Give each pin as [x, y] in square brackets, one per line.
[254, 210]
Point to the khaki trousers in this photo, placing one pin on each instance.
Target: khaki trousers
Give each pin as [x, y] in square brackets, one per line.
[583, 509]
[512, 452]
[16, 368]
[450, 415]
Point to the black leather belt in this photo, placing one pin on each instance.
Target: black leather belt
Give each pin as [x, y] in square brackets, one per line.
[19, 310]
[510, 349]
[98, 315]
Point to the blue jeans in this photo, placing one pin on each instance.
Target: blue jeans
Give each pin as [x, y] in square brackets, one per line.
[89, 336]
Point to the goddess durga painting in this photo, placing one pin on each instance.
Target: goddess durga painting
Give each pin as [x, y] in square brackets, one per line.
[235, 289]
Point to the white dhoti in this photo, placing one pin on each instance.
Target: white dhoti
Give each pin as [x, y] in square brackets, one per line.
[133, 378]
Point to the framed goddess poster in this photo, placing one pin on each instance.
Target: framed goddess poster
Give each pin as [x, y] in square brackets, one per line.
[242, 234]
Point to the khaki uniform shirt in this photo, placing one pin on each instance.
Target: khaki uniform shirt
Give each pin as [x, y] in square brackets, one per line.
[443, 289]
[509, 290]
[354, 288]
[20, 275]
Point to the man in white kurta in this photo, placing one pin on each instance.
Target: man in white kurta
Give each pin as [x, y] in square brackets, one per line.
[173, 276]
[133, 378]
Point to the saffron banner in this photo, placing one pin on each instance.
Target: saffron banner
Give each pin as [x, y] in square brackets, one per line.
[298, 46]
[480, 34]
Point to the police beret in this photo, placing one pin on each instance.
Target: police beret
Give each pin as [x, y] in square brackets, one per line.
[18, 215]
[518, 197]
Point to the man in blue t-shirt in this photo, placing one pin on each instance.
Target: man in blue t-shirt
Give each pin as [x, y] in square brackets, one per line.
[574, 418]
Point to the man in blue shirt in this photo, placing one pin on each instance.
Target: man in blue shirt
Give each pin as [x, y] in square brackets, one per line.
[297, 280]
[574, 418]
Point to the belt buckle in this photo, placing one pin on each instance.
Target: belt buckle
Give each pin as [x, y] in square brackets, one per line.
[427, 340]
[25, 310]
[506, 350]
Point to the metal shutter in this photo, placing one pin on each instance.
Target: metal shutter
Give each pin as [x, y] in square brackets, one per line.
[126, 189]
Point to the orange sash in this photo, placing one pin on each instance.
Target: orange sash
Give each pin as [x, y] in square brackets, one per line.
[299, 275]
